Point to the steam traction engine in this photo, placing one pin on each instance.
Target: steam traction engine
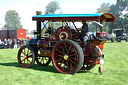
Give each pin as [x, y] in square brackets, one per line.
[64, 46]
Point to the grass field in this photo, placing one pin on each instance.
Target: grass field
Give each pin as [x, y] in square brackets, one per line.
[115, 70]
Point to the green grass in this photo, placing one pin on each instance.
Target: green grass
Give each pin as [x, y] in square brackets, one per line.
[115, 70]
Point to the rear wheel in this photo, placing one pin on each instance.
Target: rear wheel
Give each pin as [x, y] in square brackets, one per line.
[26, 56]
[67, 56]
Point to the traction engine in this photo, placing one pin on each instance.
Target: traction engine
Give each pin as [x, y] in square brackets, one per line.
[63, 46]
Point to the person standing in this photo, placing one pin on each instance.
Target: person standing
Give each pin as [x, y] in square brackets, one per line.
[0, 41]
[15, 43]
[84, 33]
[5, 43]
[10, 43]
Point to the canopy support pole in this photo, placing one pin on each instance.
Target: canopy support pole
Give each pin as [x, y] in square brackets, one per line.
[101, 20]
[38, 30]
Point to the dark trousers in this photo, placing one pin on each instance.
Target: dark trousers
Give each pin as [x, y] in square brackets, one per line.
[85, 38]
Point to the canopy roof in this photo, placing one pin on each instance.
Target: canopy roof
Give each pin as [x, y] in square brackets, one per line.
[105, 17]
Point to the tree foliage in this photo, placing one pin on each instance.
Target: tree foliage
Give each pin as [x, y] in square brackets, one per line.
[103, 8]
[12, 20]
[121, 19]
[52, 7]
[116, 10]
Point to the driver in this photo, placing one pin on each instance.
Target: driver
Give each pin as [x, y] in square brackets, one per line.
[84, 33]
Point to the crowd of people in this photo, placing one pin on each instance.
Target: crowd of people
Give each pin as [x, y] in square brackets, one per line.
[8, 43]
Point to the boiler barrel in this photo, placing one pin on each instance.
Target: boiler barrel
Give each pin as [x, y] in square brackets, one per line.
[33, 42]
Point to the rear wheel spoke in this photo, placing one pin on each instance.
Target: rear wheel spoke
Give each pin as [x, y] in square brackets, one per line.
[63, 49]
[71, 66]
[73, 55]
[74, 58]
[60, 56]
[65, 46]
[60, 52]
[72, 50]
[69, 48]
[72, 61]
[67, 65]
[64, 65]
[59, 59]
[61, 63]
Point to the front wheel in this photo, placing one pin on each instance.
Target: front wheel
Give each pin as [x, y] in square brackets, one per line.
[42, 60]
[26, 56]
[67, 57]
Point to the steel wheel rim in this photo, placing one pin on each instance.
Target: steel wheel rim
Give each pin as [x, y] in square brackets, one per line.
[65, 57]
[25, 57]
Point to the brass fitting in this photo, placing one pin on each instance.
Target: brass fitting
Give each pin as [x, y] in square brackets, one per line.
[38, 12]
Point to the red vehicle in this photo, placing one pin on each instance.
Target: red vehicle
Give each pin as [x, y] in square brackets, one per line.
[13, 33]
[64, 46]
[18, 34]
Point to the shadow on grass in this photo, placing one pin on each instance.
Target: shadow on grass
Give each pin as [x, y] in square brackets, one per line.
[34, 67]
[113, 42]
[87, 71]
[48, 68]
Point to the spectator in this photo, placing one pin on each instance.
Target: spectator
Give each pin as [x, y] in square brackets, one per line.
[84, 33]
[10, 43]
[5, 43]
[15, 43]
[0, 41]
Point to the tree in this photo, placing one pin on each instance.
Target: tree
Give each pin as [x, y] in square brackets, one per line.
[12, 20]
[52, 7]
[116, 10]
[103, 8]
